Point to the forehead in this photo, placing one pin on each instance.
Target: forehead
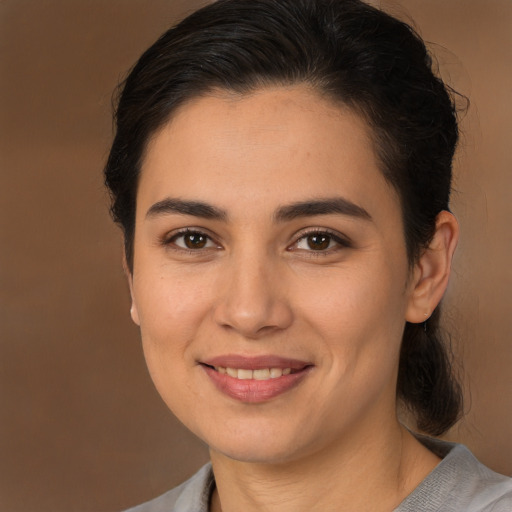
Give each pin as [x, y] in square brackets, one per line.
[275, 145]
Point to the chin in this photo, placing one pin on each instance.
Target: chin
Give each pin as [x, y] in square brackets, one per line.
[258, 447]
[256, 454]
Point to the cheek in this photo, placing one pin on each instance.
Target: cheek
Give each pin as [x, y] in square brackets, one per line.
[360, 321]
[352, 298]
[359, 313]
[171, 309]
[169, 299]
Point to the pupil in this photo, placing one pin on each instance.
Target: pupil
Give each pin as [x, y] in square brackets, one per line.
[195, 241]
[318, 242]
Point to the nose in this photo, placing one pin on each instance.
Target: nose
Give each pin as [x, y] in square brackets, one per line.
[253, 301]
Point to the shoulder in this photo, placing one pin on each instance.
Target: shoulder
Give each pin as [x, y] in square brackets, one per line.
[460, 482]
[191, 496]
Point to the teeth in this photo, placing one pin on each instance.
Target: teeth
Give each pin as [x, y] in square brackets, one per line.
[245, 374]
[232, 372]
[275, 372]
[262, 374]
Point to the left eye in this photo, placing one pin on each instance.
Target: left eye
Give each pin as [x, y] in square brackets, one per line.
[317, 242]
[192, 240]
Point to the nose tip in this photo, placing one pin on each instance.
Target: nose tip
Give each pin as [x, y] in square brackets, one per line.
[252, 322]
[253, 305]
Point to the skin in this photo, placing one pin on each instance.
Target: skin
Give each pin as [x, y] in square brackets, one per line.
[257, 287]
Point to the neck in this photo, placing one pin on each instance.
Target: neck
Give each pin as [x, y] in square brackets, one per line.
[369, 473]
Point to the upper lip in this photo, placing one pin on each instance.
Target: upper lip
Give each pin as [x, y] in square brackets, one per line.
[255, 362]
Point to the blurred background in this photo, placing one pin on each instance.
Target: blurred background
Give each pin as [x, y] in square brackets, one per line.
[81, 427]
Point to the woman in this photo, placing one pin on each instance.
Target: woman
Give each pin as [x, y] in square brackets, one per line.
[281, 172]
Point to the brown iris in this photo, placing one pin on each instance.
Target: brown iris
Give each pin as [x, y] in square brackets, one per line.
[195, 240]
[318, 242]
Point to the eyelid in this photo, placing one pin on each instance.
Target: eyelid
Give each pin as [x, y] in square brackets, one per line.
[342, 240]
[168, 239]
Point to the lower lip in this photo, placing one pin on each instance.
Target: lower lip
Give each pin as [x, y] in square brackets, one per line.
[252, 390]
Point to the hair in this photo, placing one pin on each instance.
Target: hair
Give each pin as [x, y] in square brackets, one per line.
[351, 53]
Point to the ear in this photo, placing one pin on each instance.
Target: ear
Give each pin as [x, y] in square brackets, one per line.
[129, 276]
[432, 270]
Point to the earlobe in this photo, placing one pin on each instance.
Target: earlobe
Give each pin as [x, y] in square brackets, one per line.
[134, 314]
[129, 276]
[432, 270]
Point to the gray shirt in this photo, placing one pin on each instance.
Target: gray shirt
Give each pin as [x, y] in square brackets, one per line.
[459, 483]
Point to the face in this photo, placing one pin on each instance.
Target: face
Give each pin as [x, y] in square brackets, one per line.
[270, 277]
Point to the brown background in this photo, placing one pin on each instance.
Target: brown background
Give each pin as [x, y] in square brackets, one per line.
[81, 428]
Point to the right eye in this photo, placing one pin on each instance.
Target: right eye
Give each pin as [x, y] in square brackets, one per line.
[191, 240]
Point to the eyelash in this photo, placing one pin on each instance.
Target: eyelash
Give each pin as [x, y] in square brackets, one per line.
[342, 242]
[169, 241]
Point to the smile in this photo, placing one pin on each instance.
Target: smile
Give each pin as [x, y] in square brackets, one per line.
[260, 374]
[255, 379]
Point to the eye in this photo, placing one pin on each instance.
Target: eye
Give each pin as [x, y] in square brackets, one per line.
[192, 240]
[316, 242]
[320, 241]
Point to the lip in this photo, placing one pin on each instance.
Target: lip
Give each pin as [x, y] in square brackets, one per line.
[252, 390]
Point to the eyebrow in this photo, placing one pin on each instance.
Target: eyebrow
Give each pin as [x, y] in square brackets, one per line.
[333, 205]
[329, 206]
[181, 207]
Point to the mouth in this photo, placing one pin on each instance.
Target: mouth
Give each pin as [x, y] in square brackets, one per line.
[255, 379]
[259, 374]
